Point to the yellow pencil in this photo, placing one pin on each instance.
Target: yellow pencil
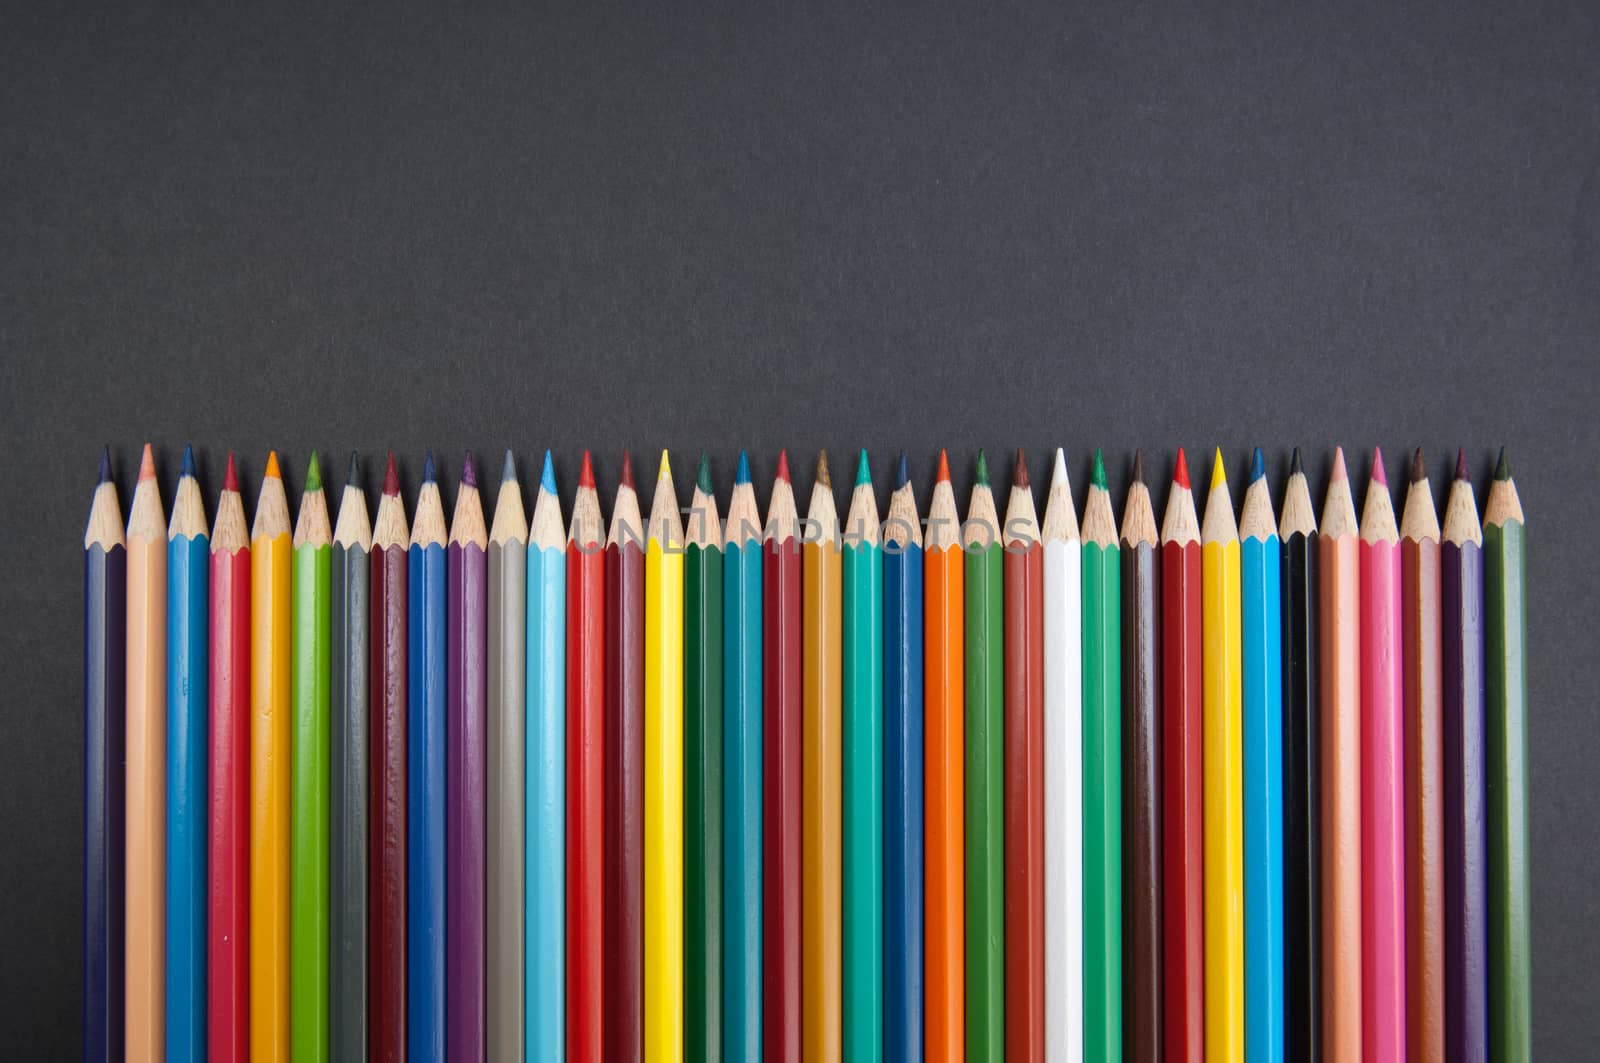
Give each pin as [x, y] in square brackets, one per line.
[146, 778]
[271, 564]
[1224, 755]
[663, 776]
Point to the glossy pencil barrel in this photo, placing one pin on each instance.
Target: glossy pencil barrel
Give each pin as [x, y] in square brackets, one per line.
[425, 801]
[308, 921]
[741, 734]
[1224, 812]
[271, 744]
[944, 693]
[1340, 670]
[386, 912]
[1382, 804]
[1302, 869]
[507, 898]
[466, 824]
[623, 1004]
[545, 872]
[903, 802]
[821, 808]
[585, 837]
[1063, 795]
[985, 804]
[1183, 860]
[1261, 629]
[862, 920]
[1141, 801]
[1102, 802]
[188, 631]
[146, 732]
[783, 699]
[1424, 799]
[704, 883]
[663, 802]
[1023, 576]
[104, 674]
[350, 575]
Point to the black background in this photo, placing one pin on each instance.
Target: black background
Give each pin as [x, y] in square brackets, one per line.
[912, 226]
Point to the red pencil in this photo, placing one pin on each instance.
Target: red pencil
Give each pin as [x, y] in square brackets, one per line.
[228, 913]
[1383, 884]
[780, 813]
[1024, 760]
[624, 774]
[586, 666]
[386, 880]
[1183, 859]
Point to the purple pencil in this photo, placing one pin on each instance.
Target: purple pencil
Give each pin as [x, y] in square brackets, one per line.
[466, 722]
[1466, 977]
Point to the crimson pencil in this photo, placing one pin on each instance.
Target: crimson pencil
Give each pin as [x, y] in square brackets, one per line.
[1182, 809]
[624, 774]
[780, 773]
[586, 743]
[386, 910]
[1023, 574]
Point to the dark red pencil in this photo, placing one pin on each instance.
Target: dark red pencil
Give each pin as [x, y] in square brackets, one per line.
[781, 756]
[624, 774]
[1183, 860]
[386, 911]
[586, 665]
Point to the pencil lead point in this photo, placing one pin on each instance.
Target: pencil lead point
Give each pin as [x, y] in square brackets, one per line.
[741, 475]
[983, 468]
[508, 469]
[1294, 463]
[1502, 467]
[626, 479]
[1098, 478]
[664, 471]
[1258, 465]
[352, 475]
[428, 474]
[943, 473]
[391, 478]
[1138, 466]
[105, 465]
[547, 475]
[147, 464]
[824, 477]
[863, 474]
[188, 460]
[313, 474]
[1219, 471]
[1419, 467]
[1180, 471]
[230, 478]
[271, 472]
[1058, 474]
[1019, 470]
[702, 475]
[1461, 463]
[585, 471]
[1378, 475]
[783, 465]
[902, 472]
[469, 471]
[1339, 470]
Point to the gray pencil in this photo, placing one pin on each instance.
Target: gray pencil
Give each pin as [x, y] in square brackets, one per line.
[508, 595]
[347, 924]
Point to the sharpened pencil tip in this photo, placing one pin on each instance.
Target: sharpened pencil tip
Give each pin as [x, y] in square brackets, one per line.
[626, 479]
[313, 474]
[1019, 470]
[1098, 477]
[943, 475]
[352, 475]
[547, 475]
[469, 471]
[1339, 470]
[1294, 463]
[585, 471]
[1378, 475]
[1258, 465]
[1180, 471]
[1461, 463]
[983, 468]
[783, 465]
[1219, 471]
[1058, 474]
[863, 474]
[702, 474]
[230, 477]
[1502, 467]
[824, 477]
[391, 478]
[147, 464]
[188, 460]
[741, 474]
[428, 473]
[902, 472]
[508, 468]
[664, 471]
[1419, 467]
[271, 472]
[1138, 466]
[105, 465]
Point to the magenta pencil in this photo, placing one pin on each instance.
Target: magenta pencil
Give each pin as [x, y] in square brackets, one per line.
[1383, 956]
[466, 719]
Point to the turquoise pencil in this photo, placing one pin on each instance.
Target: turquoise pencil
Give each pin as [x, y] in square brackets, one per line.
[545, 875]
[1261, 630]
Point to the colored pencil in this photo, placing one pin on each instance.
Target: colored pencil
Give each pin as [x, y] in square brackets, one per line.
[624, 774]
[1023, 575]
[741, 759]
[1339, 659]
[1261, 646]
[545, 869]
[1302, 1018]
[1423, 735]
[425, 774]
[1222, 740]
[821, 770]
[663, 775]
[944, 801]
[1506, 783]
[862, 659]
[985, 773]
[703, 918]
[1102, 773]
[271, 752]
[350, 576]
[782, 701]
[188, 632]
[1466, 941]
[146, 731]
[1141, 773]
[466, 720]
[1182, 792]
[311, 635]
[509, 665]
[1383, 956]
[105, 617]
[386, 912]
[585, 793]
[902, 773]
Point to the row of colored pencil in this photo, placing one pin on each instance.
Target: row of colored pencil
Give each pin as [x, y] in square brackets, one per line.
[891, 788]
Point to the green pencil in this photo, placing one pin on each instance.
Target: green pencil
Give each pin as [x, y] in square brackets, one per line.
[702, 792]
[1506, 785]
[1102, 774]
[985, 712]
[312, 591]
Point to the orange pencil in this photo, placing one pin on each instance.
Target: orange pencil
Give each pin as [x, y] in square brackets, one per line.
[944, 751]
[146, 803]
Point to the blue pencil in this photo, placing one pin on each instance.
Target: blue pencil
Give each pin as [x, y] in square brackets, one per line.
[546, 777]
[188, 732]
[741, 773]
[425, 759]
[1261, 630]
[902, 775]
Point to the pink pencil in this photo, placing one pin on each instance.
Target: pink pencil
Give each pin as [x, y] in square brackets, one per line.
[1383, 970]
